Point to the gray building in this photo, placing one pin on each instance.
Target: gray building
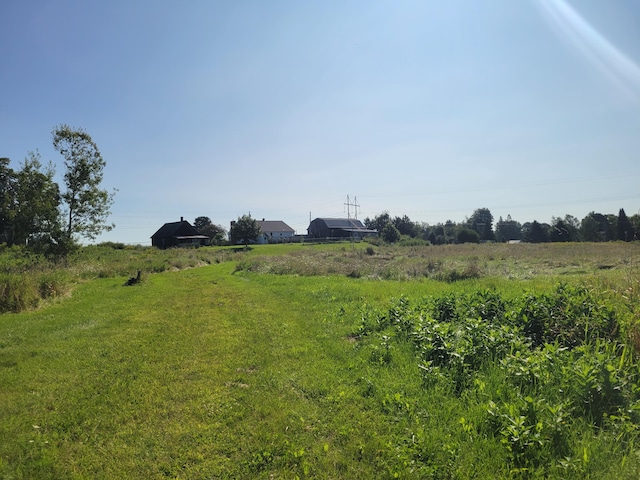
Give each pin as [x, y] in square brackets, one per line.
[339, 228]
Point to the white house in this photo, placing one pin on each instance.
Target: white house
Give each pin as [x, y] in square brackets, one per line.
[274, 231]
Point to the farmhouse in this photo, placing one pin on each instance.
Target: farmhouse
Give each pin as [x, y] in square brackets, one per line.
[178, 234]
[339, 228]
[274, 231]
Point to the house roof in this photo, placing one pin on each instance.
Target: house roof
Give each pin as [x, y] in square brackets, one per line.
[175, 229]
[274, 226]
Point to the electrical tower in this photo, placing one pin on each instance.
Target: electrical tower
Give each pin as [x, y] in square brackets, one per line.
[354, 205]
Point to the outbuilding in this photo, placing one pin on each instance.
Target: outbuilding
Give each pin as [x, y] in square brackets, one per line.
[178, 234]
[336, 228]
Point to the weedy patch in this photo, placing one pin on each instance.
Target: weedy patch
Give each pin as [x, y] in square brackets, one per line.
[558, 366]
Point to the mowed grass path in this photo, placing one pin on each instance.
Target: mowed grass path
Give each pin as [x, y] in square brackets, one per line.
[192, 374]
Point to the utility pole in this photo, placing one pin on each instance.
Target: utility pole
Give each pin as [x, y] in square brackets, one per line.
[354, 205]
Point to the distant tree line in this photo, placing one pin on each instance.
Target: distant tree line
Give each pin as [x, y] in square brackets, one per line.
[49, 218]
[480, 227]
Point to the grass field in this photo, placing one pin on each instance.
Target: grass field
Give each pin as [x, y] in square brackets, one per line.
[339, 361]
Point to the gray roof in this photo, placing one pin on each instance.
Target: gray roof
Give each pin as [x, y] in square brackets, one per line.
[274, 226]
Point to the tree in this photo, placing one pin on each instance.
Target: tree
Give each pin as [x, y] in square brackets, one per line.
[205, 226]
[390, 233]
[596, 227]
[635, 223]
[535, 232]
[36, 216]
[590, 229]
[558, 231]
[7, 200]
[378, 223]
[405, 226]
[245, 230]
[467, 235]
[87, 205]
[626, 232]
[508, 230]
[482, 222]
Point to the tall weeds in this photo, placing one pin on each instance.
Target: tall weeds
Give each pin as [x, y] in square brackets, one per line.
[545, 371]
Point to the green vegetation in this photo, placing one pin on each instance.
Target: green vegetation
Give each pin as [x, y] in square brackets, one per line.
[37, 214]
[322, 361]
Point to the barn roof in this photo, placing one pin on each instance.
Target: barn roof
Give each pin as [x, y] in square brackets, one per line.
[343, 223]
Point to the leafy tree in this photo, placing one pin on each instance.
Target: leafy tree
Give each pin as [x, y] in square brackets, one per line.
[625, 229]
[535, 232]
[205, 226]
[450, 231]
[635, 223]
[438, 235]
[482, 222]
[87, 205]
[405, 226]
[590, 229]
[245, 230]
[37, 196]
[558, 231]
[7, 200]
[467, 235]
[612, 231]
[596, 227]
[390, 233]
[378, 223]
[508, 230]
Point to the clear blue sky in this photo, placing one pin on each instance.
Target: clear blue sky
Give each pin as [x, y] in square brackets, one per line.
[283, 108]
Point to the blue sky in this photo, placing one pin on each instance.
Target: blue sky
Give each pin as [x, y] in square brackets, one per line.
[283, 108]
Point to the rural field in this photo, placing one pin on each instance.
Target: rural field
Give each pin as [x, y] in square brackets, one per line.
[342, 361]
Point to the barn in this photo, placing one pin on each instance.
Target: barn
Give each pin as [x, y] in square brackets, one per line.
[339, 228]
[178, 234]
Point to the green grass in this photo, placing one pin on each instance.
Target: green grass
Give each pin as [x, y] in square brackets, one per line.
[246, 369]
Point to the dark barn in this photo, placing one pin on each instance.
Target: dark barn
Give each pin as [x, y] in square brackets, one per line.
[178, 234]
[338, 228]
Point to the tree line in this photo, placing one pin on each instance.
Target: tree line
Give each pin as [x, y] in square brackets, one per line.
[47, 217]
[480, 227]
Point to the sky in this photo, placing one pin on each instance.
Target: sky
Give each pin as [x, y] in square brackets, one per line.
[282, 109]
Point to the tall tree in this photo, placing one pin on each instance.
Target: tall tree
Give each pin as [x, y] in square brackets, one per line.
[245, 230]
[37, 196]
[625, 228]
[378, 222]
[405, 226]
[558, 231]
[635, 223]
[87, 204]
[7, 200]
[590, 229]
[482, 222]
[508, 229]
[390, 233]
[597, 227]
[535, 232]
